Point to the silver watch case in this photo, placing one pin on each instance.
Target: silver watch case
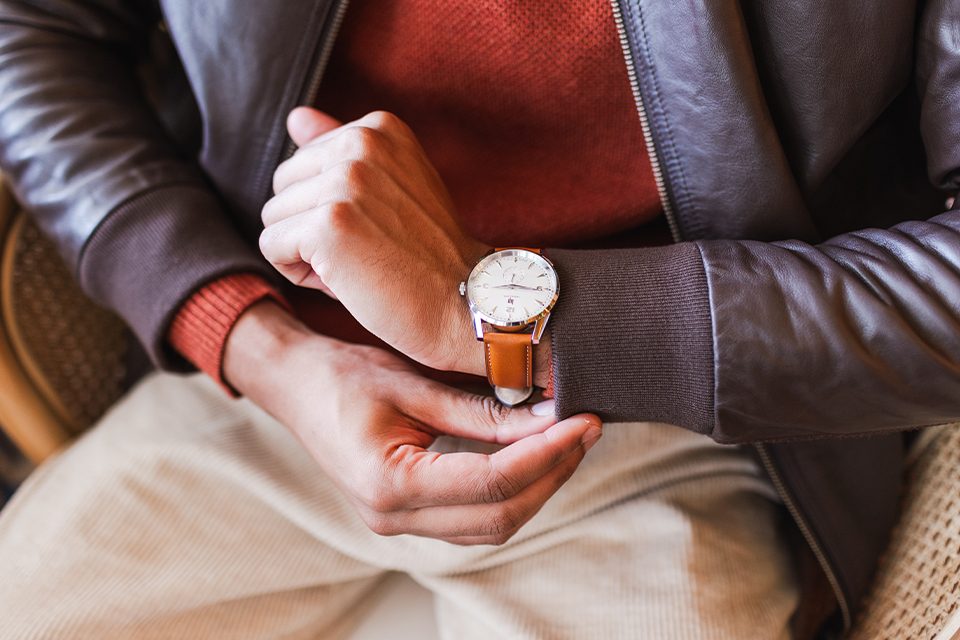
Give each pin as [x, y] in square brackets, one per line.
[536, 324]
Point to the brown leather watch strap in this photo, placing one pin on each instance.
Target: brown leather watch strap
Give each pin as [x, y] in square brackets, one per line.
[509, 359]
[530, 249]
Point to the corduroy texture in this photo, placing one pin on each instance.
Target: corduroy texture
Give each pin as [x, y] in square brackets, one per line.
[201, 327]
[655, 361]
[144, 264]
[187, 515]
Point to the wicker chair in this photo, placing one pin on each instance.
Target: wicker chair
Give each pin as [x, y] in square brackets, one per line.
[62, 359]
[62, 364]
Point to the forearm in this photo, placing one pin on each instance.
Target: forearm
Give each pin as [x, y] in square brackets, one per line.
[257, 350]
[265, 338]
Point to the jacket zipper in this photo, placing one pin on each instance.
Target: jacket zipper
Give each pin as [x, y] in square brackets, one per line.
[807, 534]
[321, 57]
[658, 175]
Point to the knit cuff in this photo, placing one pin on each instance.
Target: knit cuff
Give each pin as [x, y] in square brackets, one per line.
[200, 329]
[632, 336]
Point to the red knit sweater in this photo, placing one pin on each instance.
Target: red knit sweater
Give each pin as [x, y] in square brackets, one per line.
[523, 106]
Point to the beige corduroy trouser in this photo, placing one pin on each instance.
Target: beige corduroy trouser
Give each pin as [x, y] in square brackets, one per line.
[184, 514]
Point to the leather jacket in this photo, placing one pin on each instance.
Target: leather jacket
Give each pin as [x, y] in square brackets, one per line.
[811, 303]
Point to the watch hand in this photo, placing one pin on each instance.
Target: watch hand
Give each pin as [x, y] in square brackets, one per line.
[513, 286]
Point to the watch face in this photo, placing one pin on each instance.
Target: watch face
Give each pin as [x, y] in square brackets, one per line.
[512, 287]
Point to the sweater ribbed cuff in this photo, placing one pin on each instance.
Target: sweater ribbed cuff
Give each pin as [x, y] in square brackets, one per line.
[632, 336]
[201, 327]
[153, 252]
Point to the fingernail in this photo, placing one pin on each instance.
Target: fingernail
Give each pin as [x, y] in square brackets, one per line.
[590, 438]
[544, 408]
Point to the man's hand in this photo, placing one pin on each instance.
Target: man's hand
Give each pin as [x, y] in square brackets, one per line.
[362, 214]
[368, 419]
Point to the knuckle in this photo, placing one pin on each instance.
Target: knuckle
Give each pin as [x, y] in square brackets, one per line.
[283, 175]
[338, 217]
[499, 487]
[386, 120]
[503, 524]
[492, 411]
[568, 470]
[381, 503]
[320, 265]
[368, 141]
[356, 175]
[501, 538]
[278, 178]
[379, 498]
[269, 211]
[266, 240]
[380, 524]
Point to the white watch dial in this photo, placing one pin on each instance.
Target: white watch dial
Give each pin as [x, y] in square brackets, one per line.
[512, 286]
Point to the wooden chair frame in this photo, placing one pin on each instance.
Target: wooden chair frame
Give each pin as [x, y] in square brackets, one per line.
[28, 419]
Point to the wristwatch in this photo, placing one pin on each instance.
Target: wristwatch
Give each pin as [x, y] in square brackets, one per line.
[510, 293]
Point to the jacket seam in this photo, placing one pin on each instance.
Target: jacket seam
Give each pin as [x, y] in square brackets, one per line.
[713, 344]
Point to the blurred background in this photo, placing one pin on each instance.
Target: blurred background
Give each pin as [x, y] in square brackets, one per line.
[13, 468]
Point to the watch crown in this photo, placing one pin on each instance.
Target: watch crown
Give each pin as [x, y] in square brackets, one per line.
[463, 288]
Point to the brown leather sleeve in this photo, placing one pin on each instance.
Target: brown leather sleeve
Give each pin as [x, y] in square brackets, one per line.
[89, 159]
[509, 358]
[764, 341]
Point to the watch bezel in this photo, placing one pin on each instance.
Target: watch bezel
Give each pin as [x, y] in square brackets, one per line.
[477, 313]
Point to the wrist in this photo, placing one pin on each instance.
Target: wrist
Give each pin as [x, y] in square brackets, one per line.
[262, 338]
[469, 354]
[467, 349]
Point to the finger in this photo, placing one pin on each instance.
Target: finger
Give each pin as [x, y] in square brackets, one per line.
[294, 246]
[424, 478]
[323, 153]
[482, 523]
[378, 134]
[478, 417]
[384, 121]
[306, 123]
[344, 180]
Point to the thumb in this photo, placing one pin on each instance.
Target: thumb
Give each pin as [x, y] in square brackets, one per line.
[306, 123]
[483, 418]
